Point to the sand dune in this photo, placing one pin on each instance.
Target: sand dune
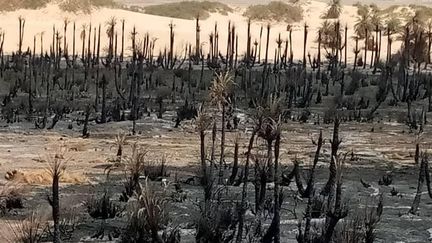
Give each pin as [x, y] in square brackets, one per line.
[43, 20]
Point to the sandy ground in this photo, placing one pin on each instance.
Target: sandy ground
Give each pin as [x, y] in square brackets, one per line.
[388, 148]
[26, 148]
[42, 21]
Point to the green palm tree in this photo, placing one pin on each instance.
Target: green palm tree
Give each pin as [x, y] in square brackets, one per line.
[376, 19]
[363, 23]
[334, 9]
[329, 35]
[111, 23]
[393, 25]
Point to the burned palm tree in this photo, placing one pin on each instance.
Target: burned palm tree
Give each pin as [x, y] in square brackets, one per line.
[228, 46]
[273, 232]
[66, 22]
[98, 46]
[234, 49]
[265, 69]
[424, 176]
[259, 44]
[308, 191]
[335, 143]
[269, 129]
[244, 179]
[356, 52]
[73, 47]
[83, 39]
[171, 61]
[220, 92]
[120, 141]
[104, 84]
[122, 40]
[110, 33]
[305, 32]
[429, 41]
[290, 30]
[345, 45]
[248, 44]
[235, 166]
[278, 62]
[41, 35]
[88, 58]
[366, 46]
[56, 169]
[203, 122]
[52, 48]
[336, 210]
[21, 21]
[319, 53]
[93, 58]
[197, 40]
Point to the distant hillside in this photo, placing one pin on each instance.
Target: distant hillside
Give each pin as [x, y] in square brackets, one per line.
[245, 3]
[184, 9]
[275, 11]
[65, 5]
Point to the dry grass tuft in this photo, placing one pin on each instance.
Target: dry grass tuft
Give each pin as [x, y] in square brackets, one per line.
[147, 217]
[43, 177]
[29, 230]
[11, 197]
[102, 208]
[119, 142]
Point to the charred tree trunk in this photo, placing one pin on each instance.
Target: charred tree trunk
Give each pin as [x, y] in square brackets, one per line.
[243, 206]
[420, 182]
[366, 48]
[335, 142]
[222, 148]
[356, 52]
[104, 112]
[56, 205]
[304, 45]
[235, 163]
[273, 232]
[85, 133]
[264, 74]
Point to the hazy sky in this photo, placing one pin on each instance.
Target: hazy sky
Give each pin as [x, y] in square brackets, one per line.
[248, 2]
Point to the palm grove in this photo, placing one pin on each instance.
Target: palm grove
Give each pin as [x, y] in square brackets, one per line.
[244, 190]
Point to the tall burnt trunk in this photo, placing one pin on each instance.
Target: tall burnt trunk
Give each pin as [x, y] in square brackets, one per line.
[104, 112]
[56, 207]
[335, 142]
[420, 182]
[366, 48]
[235, 163]
[243, 207]
[305, 33]
[222, 146]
